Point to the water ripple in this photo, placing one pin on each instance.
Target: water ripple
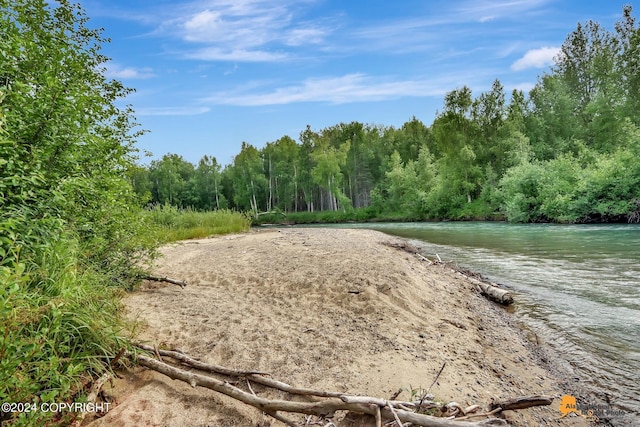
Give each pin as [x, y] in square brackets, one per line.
[578, 288]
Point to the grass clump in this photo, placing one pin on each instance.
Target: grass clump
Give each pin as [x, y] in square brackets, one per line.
[60, 327]
[169, 224]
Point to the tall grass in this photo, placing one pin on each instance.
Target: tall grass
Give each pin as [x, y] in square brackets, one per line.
[169, 224]
[60, 327]
[60, 313]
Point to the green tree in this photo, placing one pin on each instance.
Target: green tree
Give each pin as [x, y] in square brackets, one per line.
[489, 112]
[594, 66]
[207, 184]
[519, 192]
[70, 223]
[628, 63]
[407, 185]
[308, 139]
[170, 177]
[456, 139]
[281, 160]
[552, 124]
[326, 173]
[585, 62]
[249, 180]
[67, 147]
[140, 180]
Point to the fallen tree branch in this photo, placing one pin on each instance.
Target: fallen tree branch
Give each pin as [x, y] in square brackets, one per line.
[434, 380]
[395, 415]
[378, 416]
[255, 376]
[373, 401]
[92, 396]
[180, 283]
[325, 408]
[521, 402]
[480, 414]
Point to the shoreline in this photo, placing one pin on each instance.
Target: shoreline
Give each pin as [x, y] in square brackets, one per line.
[336, 309]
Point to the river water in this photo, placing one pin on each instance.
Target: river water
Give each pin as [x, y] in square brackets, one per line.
[577, 287]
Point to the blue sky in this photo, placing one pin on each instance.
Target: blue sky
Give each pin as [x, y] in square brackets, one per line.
[210, 74]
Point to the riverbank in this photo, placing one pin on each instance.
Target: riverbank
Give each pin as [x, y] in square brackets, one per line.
[335, 309]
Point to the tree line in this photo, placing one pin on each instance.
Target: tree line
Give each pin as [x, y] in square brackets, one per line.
[565, 152]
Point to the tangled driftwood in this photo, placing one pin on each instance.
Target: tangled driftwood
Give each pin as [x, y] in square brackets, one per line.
[321, 403]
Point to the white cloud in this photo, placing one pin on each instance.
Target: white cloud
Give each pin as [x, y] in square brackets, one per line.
[202, 25]
[525, 86]
[536, 58]
[337, 90]
[172, 111]
[115, 71]
[399, 36]
[218, 54]
[487, 18]
[244, 30]
[489, 10]
[302, 36]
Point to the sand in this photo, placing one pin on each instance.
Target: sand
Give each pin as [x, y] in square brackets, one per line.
[334, 309]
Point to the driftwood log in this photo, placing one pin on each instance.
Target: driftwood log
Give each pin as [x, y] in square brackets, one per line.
[323, 404]
[491, 290]
[257, 377]
[488, 289]
[521, 403]
[325, 408]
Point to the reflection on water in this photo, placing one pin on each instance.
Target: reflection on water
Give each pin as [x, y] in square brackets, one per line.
[577, 286]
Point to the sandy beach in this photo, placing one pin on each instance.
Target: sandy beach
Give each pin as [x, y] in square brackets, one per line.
[333, 309]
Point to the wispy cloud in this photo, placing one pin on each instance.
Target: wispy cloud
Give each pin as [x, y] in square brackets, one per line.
[115, 71]
[398, 36]
[434, 27]
[172, 111]
[243, 30]
[525, 86]
[305, 35]
[336, 90]
[489, 10]
[219, 54]
[536, 58]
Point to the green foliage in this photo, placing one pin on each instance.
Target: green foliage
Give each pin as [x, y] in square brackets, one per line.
[61, 324]
[69, 220]
[326, 173]
[169, 179]
[561, 154]
[407, 185]
[169, 224]
[249, 180]
[583, 188]
[321, 217]
[519, 192]
[66, 147]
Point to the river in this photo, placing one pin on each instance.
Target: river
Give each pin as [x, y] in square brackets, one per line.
[577, 287]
